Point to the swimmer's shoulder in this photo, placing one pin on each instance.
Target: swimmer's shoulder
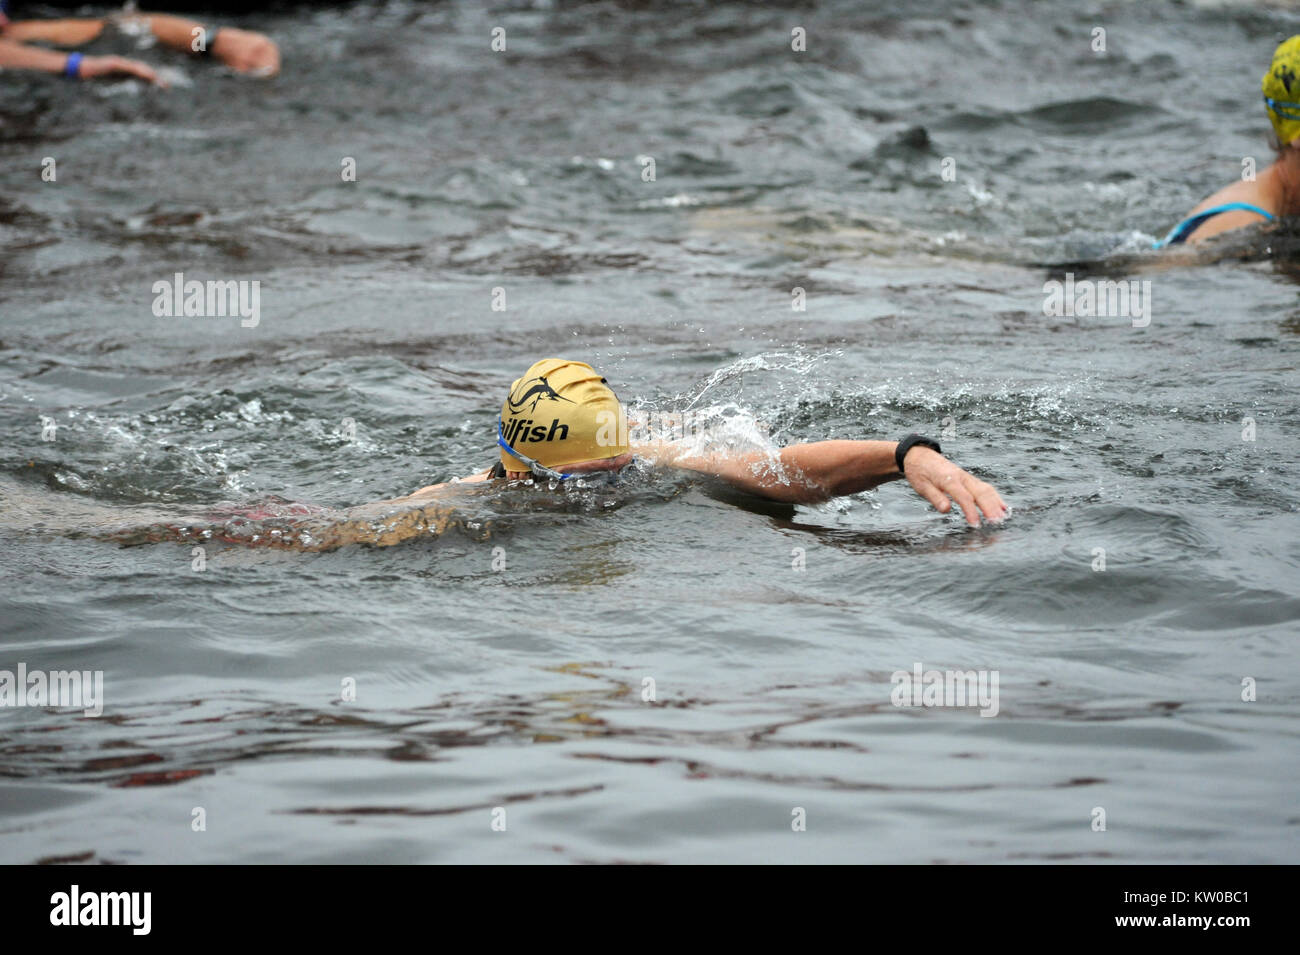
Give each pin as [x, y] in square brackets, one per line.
[1248, 192]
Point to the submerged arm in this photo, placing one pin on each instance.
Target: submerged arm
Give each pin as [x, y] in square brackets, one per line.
[432, 517]
[429, 511]
[432, 492]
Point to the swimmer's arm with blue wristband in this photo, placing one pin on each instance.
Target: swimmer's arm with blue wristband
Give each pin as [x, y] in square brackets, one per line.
[908, 443]
[72, 68]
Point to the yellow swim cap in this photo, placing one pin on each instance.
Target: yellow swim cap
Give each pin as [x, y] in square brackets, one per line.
[562, 412]
[1281, 87]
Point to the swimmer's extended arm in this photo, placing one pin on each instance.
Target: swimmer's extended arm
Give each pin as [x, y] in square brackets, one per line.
[815, 472]
[56, 32]
[16, 56]
[242, 50]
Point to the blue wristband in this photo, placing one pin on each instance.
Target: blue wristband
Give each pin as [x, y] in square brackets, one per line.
[72, 68]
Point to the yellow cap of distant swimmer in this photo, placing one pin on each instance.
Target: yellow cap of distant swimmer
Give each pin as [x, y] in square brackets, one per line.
[562, 412]
[1281, 87]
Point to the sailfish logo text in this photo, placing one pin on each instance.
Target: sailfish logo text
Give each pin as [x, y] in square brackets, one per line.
[523, 431]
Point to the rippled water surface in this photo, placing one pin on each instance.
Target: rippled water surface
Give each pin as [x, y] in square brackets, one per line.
[481, 686]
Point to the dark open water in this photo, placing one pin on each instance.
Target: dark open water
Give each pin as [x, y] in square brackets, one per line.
[522, 688]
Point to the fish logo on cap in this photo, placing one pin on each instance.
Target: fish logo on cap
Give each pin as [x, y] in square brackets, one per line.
[537, 392]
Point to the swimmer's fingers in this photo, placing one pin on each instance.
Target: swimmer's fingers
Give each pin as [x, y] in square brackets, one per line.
[143, 70]
[955, 487]
[93, 66]
[941, 483]
[974, 496]
[938, 500]
[989, 501]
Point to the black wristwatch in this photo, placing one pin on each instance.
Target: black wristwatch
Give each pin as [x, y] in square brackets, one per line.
[908, 443]
[209, 40]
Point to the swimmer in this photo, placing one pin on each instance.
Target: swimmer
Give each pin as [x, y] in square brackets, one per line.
[244, 51]
[1275, 192]
[561, 422]
[560, 426]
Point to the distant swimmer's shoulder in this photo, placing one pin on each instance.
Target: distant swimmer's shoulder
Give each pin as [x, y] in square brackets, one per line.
[1236, 206]
[1241, 191]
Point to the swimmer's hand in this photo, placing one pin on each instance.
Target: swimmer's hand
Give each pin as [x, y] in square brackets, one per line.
[247, 52]
[96, 66]
[941, 482]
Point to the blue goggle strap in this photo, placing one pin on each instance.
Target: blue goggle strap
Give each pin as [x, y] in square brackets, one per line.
[1282, 108]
